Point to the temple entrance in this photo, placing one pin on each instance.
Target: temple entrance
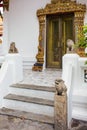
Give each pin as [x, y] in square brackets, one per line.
[59, 30]
[59, 21]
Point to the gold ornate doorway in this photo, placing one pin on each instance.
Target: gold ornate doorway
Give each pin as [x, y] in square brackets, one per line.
[59, 8]
[59, 30]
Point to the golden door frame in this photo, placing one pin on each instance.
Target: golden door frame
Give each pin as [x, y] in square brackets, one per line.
[61, 7]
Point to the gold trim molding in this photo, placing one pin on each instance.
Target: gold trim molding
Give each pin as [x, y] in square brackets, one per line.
[61, 7]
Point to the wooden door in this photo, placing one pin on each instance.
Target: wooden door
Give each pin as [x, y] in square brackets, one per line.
[59, 29]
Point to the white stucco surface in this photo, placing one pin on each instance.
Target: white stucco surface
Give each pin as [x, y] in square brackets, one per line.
[11, 72]
[76, 83]
[21, 26]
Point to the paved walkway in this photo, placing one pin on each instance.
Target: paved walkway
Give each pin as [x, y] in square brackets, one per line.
[44, 78]
[13, 123]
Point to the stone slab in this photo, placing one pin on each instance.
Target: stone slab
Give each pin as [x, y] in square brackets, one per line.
[27, 115]
[29, 99]
[34, 87]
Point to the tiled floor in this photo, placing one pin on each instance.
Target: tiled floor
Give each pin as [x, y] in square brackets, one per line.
[44, 78]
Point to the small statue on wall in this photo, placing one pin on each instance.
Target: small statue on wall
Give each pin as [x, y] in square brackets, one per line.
[60, 87]
[70, 46]
[13, 48]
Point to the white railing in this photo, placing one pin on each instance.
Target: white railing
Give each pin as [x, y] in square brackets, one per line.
[75, 76]
[68, 74]
[11, 72]
[68, 83]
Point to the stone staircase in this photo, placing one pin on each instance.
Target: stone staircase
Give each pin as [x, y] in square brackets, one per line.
[31, 102]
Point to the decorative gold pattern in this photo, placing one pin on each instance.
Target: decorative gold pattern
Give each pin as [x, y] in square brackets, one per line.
[81, 52]
[38, 66]
[61, 7]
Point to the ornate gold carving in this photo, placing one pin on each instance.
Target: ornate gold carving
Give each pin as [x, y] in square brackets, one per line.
[59, 1]
[61, 7]
[78, 23]
[38, 66]
[41, 29]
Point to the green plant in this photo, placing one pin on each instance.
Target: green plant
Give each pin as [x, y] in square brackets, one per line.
[86, 62]
[82, 38]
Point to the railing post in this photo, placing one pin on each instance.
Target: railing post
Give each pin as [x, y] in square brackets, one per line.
[60, 105]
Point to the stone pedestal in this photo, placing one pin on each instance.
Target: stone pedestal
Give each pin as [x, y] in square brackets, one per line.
[60, 105]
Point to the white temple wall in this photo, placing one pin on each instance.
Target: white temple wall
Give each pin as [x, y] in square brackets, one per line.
[22, 27]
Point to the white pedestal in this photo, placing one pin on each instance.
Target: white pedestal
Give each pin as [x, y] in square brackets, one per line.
[17, 63]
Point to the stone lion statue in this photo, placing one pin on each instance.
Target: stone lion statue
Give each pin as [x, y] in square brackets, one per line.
[60, 87]
[70, 45]
[13, 48]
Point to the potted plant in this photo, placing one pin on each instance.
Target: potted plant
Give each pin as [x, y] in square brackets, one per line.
[86, 62]
[82, 42]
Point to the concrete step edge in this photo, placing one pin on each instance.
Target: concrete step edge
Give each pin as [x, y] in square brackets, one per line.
[35, 87]
[30, 99]
[27, 115]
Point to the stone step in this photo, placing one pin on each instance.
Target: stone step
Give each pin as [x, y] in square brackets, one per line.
[27, 115]
[32, 91]
[29, 104]
[34, 87]
[29, 99]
